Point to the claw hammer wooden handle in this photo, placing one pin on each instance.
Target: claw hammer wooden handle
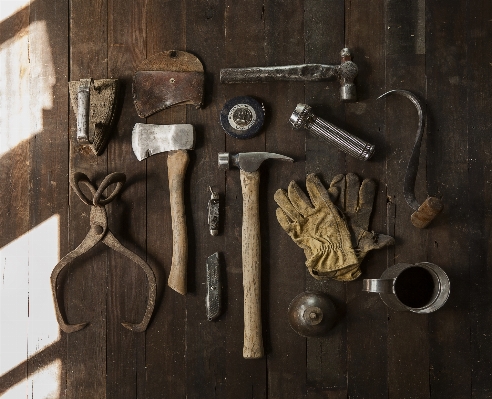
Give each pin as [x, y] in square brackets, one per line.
[177, 162]
[251, 254]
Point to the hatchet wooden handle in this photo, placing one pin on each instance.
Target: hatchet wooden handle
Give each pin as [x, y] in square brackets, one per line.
[177, 161]
[251, 253]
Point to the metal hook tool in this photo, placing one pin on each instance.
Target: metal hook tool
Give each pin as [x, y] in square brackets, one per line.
[432, 206]
[100, 232]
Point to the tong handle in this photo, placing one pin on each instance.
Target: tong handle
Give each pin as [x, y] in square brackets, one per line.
[117, 178]
[77, 178]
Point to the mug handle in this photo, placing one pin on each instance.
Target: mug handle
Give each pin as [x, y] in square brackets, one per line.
[384, 286]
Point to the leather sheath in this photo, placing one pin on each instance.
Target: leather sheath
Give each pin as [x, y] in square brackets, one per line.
[167, 79]
[156, 92]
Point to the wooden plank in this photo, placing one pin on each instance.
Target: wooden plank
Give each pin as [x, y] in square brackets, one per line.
[408, 350]
[244, 46]
[284, 262]
[14, 207]
[366, 314]
[205, 350]
[48, 208]
[86, 284]
[327, 356]
[166, 336]
[372, 352]
[408, 347]
[478, 195]
[447, 174]
[407, 333]
[128, 289]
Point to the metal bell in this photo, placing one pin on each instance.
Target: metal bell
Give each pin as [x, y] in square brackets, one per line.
[312, 314]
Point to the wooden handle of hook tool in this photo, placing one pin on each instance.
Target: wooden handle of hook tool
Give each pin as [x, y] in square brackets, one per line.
[251, 254]
[426, 213]
[177, 162]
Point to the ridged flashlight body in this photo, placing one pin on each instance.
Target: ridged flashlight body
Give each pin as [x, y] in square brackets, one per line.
[302, 117]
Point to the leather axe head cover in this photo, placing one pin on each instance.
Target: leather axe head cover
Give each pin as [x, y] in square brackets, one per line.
[166, 79]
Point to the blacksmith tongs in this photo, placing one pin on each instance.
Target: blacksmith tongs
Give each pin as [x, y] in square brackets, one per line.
[99, 231]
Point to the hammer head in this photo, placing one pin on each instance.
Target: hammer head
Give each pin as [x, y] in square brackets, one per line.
[347, 72]
[248, 161]
[150, 139]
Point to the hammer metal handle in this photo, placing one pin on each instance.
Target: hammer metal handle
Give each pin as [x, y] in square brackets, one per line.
[305, 72]
[251, 254]
[177, 162]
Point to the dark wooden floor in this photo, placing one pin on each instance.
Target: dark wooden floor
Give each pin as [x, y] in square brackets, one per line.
[440, 50]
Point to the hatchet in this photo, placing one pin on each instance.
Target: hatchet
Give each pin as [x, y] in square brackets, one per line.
[148, 140]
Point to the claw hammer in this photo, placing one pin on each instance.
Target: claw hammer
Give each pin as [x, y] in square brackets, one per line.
[249, 163]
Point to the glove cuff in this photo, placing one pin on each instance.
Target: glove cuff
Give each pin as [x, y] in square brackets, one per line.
[326, 262]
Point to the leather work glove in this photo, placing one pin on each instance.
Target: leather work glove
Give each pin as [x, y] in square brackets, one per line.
[356, 201]
[317, 227]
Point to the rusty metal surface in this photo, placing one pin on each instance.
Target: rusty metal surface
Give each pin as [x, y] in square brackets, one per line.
[167, 79]
[345, 72]
[99, 232]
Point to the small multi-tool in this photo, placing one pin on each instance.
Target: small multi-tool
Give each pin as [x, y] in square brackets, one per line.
[213, 212]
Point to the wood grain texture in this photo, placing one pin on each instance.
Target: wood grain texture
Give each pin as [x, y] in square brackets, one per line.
[367, 316]
[128, 288]
[447, 175]
[165, 363]
[206, 349]
[243, 46]
[251, 259]
[48, 180]
[408, 350]
[86, 285]
[177, 162]
[438, 50]
[479, 195]
[326, 356]
[283, 271]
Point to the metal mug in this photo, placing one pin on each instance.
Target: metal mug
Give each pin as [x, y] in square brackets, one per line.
[419, 288]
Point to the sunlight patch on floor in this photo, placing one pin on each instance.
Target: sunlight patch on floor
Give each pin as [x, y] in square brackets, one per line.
[26, 306]
[28, 75]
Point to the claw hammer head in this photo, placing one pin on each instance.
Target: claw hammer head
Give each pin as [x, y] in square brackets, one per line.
[248, 161]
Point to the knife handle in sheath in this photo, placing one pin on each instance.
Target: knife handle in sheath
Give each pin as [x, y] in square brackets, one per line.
[214, 290]
[177, 162]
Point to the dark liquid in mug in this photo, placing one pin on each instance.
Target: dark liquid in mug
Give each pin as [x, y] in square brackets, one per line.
[414, 287]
